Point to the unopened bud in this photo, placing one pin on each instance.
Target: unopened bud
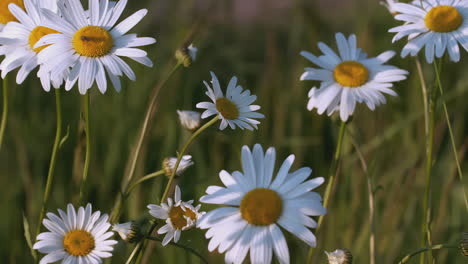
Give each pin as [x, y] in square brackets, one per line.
[169, 164]
[340, 256]
[186, 55]
[129, 232]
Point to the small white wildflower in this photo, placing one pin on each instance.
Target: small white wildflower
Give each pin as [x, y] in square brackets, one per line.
[129, 231]
[340, 256]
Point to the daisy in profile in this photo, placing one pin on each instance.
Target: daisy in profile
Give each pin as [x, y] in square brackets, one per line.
[91, 44]
[349, 77]
[437, 25]
[75, 237]
[179, 216]
[256, 205]
[5, 14]
[234, 109]
[18, 41]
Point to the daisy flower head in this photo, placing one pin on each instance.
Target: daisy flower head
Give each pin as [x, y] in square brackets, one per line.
[349, 77]
[256, 205]
[168, 165]
[190, 120]
[18, 41]
[91, 44]
[179, 216]
[5, 14]
[437, 25]
[75, 237]
[234, 109]
[389, 5]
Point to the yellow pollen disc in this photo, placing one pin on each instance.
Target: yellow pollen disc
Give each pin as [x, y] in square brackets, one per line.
[78, 243]
[351, 74]
[176, 214]
[261, 207]
[443, 18]
[227, 108]
[92, 41]
[5, 14]
[36, 34]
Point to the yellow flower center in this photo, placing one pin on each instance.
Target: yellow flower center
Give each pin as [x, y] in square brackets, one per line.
[351, 74]
[5, 14]
[36, 34]
[443, 18]
[92, 41]
[176, 214]
[78, 243]
[227, 108]
[261, 207]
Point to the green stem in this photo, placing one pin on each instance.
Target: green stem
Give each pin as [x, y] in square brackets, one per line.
[424, 95]
[331, 180]
[176, 166]
[427, 207]
[142, 179]
[55, 148]
[422, 250]
[191, 250]
[452, 138]
[88, 147]
[120, 199]
[5, 111]
[182, 152]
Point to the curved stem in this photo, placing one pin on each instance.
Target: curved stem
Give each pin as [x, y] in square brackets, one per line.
[331, 181]
[426, 221]
[182, 152]
[55, 148]
[5, 111]
[452, 138]
[143, 179]
[191, 250]
[88, 147]
[422, 250]
[176, 166]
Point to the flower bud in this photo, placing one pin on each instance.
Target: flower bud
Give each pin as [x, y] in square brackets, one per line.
[129, 231]
[186, 55]
[340, 256]
[169, 164]
[190, 120]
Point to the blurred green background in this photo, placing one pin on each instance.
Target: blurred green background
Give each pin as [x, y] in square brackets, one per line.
[259, 42]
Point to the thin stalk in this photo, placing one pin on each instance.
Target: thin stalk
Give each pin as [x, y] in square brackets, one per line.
[176, 166]
[331, 180]
[5, 111]
[124, 195]
[424, 95]
[427, 207]
[189, 249]
[88, 147]
[422, 250]
[452, 138]
[370, 190]
[144, 128]
[53, 159]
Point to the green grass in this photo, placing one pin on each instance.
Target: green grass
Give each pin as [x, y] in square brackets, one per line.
[264, 55]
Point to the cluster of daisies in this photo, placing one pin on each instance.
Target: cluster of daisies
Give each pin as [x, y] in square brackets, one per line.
[69, 45]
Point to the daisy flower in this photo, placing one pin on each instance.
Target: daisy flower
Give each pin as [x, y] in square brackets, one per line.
[437, 25]
[75, 237]
[169, 164]
[256, 205]
[190, 120]
[179, 216]
[389, 5]
[234, 109]
[18, 41]
[349, 77]
[91, 45]
[5, 14]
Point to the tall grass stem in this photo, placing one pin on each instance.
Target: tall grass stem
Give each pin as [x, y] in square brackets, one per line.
[331, 181]
[53, 159]
[4, 112]
[88, 147]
